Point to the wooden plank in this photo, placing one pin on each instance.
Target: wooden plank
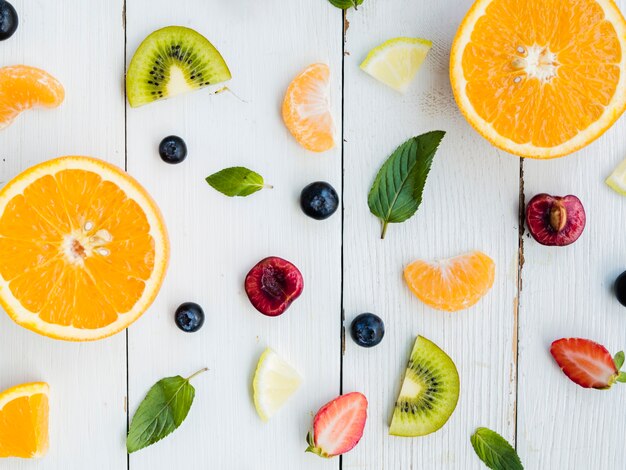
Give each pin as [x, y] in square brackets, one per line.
[567, 292]
[470, 202]
[216, 240]
[82, 44]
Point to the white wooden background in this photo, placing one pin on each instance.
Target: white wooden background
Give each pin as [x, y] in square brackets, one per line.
[508, 379]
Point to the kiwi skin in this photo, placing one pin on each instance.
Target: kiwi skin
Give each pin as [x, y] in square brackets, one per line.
[171, 61]
[429, 393]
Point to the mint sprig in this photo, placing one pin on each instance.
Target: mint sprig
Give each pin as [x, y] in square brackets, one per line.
[236, 181]
[397, 190]
[345, 4]
[161, 412]
[494, 450]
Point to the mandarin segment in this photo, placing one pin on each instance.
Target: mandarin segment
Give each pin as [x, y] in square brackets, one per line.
[306, 109]
[24, 413]
[84, 249]
[451, 284]
[23, 87]
[540, 79]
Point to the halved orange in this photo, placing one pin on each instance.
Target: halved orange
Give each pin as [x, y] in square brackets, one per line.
[83, 246]
[451, 284]
[306, 109]
[23, 87]
[24, 421]
[540, 79]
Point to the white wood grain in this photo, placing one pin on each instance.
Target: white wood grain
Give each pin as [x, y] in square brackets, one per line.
[567, 292]
[216, 240]
[82, 44]
[470, 202]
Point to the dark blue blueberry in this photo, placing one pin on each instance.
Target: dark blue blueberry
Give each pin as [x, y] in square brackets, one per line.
[367, 330]
[8, 20]
[319, 200]
[620, 288]
[173, 149]
[189, 317]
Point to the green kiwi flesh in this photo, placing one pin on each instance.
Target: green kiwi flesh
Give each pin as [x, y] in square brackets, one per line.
[171, 61]
[429, 393]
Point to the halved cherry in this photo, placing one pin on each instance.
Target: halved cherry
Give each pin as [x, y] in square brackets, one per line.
[272, 285]
[554, 220]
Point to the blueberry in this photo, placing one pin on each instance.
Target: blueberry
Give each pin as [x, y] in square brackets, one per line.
[620, 288]
[189, 317]
[173, 149]
[8, 20]
[319, 200]
[367, 330]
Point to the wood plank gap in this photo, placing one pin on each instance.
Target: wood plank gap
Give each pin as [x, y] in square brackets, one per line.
[344, 29]
[126, 169]
[520, 266]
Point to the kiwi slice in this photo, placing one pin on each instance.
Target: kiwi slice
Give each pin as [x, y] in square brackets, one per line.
[171, 61]
[429, 393]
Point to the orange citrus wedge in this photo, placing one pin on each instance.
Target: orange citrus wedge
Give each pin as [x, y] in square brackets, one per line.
[306, 109]
[24, 421]
[84, 249]
[540, 79]
[451, 284]
[23, 87]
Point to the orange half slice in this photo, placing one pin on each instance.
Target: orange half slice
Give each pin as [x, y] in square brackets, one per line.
[83, 246]
[540, 79]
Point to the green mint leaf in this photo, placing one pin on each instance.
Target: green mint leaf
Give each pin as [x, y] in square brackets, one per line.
[619, 360]
[345, 4]
[495, 451]
[236, 181]
[161, 412]
[621, 377]
[397, 190]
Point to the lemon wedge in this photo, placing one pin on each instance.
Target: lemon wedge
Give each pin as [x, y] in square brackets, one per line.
[617, 179]
[395, 62]
[274, 382]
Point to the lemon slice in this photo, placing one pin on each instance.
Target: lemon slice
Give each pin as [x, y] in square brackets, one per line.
[395, 62]
[617, 179]
[274, 382]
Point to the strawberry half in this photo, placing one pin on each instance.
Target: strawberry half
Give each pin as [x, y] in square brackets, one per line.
[338, 425]
[587, 363]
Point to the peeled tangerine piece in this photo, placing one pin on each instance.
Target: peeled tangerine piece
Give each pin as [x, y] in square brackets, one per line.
[23, 87]
[24, 421]
[451, 284]
[306, 109]
[274, 382]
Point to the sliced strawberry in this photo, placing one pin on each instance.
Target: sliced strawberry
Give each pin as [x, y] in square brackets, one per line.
[587, 363]
[338, 425]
